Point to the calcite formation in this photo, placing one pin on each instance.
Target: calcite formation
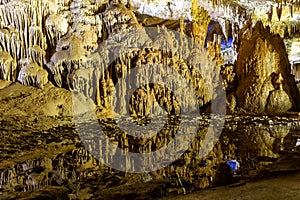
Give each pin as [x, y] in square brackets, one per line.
[281, 17]
[57, 42]
[200, 22]
[33, 74]
[265, 83]
[69, 46]
[76, 62]
[22, 38]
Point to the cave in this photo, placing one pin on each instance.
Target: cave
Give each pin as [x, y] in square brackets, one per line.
[139, 99]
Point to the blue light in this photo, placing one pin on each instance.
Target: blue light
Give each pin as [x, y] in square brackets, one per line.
[226, 44]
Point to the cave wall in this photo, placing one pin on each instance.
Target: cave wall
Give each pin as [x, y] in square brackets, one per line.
[57, 41]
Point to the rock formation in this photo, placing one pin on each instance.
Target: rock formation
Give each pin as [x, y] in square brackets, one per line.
[200, 22]
[95, 48]
[57, 42]
[70, 165]
[22, 38]
[265, 83]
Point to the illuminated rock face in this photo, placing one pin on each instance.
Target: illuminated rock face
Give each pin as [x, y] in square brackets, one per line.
[200, 23]
[56, 41]
[283, 19]
[22, 37]
[264, 77]
[77, 61]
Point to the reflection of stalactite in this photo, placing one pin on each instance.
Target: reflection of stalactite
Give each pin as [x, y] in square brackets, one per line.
[68, 166]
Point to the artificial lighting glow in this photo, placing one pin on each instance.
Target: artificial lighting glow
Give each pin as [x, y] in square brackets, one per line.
[298, 142]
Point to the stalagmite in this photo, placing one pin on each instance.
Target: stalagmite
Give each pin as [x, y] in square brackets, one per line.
[262, 91]
[57, 26]
[32, 74]
[7, 68]
[200, 22]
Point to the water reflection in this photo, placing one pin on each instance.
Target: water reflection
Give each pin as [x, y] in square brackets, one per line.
[253, 145]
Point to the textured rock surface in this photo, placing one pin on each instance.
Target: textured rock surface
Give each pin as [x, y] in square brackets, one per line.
[53, 46]
[262, 69]
[57, 42]
[200, 22]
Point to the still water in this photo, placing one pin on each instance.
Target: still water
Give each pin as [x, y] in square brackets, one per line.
[64, 157]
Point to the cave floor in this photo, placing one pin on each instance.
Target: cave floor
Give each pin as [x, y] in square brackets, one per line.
[278, 187]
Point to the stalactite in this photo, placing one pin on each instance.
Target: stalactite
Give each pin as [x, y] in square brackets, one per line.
[270, 13]
[279, 11]
[23, 24]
